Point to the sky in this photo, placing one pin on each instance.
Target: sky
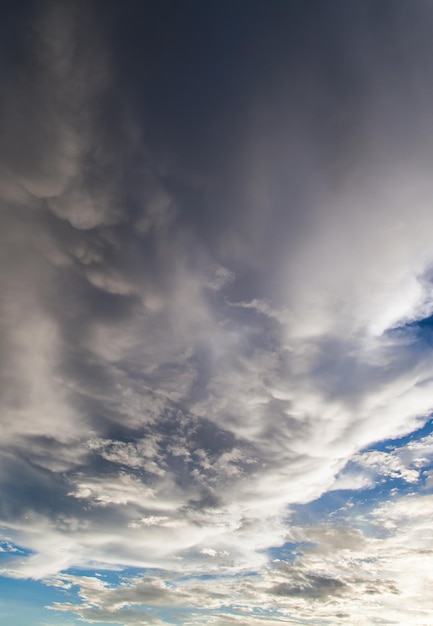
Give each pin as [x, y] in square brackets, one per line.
[216, 313]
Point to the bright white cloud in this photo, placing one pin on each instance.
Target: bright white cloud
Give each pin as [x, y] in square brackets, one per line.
[340, 572]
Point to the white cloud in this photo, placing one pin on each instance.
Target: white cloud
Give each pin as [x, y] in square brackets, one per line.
[404, 462]
[123, 489]
[340, 571]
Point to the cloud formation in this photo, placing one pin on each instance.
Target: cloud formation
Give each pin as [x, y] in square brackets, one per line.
[339, 573]
[216, 299]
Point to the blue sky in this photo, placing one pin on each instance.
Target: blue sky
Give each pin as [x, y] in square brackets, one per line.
[216, 313]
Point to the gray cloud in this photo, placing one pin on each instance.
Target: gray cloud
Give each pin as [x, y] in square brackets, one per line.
[212, 251]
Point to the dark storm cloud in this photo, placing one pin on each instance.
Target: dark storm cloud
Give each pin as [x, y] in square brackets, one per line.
[212, 216]
[292, 90]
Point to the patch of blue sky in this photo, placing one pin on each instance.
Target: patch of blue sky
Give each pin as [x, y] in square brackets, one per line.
[110, 576]
[416, 331]
[10, 550]
[336, 505]
[424, 326]
[329, 504]
[288, 552]
[24, 602]
[344, 507]
[424, 463]
[114, 576]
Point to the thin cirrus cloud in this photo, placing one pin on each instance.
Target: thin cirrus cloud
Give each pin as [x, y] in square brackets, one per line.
[215, 315]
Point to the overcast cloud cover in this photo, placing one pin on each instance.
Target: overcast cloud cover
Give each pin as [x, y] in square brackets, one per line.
[216, 313]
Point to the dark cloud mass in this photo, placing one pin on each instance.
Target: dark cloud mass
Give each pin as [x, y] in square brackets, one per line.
[215, 271]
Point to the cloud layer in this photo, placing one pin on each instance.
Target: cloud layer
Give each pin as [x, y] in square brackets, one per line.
[216, 299]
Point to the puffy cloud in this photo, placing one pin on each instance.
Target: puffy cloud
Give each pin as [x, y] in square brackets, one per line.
[338, 571]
